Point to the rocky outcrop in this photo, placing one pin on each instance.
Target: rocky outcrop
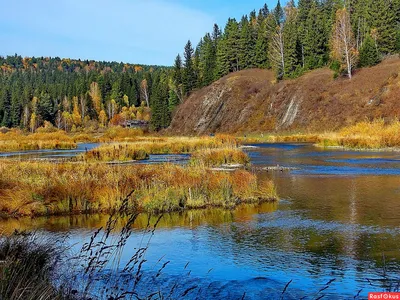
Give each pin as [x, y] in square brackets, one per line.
[252, 101]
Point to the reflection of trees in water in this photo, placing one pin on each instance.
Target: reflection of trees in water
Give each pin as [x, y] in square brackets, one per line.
[185, 219]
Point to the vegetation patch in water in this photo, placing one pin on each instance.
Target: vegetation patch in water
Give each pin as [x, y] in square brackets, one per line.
[42, 188]
[143, 148]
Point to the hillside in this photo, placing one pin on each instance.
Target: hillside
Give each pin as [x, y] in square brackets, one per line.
[251, 101]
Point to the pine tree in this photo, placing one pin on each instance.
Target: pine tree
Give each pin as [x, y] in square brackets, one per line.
[189, 76]
[279, 13]
[45, 107]
[290, 40]
[368, 53]
[228, 50]
[6, 109]
[246, 48]
[382, 18]
[314, 41]
[207, 60]
[262, 46]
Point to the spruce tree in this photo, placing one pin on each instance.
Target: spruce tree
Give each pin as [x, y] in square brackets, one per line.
[6, 109]
[382, 18]
[245, 44]
[314, 41]
[189, 76]
[291, 56]
[368, 53]
[262, 46]
[278, 13]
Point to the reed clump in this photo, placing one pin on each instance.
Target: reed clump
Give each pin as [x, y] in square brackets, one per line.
[17, 140]
[152, 145]
[218, 157]
[41, 188]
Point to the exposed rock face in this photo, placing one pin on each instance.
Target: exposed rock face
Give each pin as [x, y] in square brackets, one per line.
[251, 101]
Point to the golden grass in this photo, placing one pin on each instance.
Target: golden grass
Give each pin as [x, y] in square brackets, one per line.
[217, 157]
[41, 188]
[16, 140]
[142, 148]
[365, 135]
[376, 134]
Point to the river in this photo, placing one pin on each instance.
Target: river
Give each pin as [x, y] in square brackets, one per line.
[335, 233]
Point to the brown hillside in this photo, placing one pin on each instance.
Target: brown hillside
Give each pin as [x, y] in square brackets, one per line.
[250, 101]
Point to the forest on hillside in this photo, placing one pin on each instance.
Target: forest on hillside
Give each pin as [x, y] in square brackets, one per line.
[291, 39]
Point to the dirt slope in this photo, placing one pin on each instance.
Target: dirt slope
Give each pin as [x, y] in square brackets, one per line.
[250, 101]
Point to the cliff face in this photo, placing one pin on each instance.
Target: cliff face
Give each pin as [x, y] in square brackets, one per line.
[251, 101]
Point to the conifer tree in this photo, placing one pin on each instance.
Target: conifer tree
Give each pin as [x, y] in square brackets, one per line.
[262, 46]
[291, 56]
[6, 108]
[189, 76]
[279, 13]
[314, 40]
[368, 53]
[382, 18]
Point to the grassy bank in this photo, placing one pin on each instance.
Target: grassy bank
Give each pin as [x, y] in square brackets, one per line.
[16, 140]
[363, 135]
[39, 188]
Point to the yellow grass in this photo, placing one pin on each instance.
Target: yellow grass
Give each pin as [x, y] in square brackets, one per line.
[365, 135]
[16, 140]
[41, 188]
[217, 157]
[142, 148]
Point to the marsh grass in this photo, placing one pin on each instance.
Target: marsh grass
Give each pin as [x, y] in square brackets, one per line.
[218, 157]
[365, 135]
[44, 188]
[16, 140]
[376, 134]
[143, 147]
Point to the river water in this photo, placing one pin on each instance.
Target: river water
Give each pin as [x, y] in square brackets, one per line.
[335, 234]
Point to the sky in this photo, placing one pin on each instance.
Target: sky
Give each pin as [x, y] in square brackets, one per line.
[132, 31]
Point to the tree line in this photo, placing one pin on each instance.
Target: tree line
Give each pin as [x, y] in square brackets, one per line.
[290, 40]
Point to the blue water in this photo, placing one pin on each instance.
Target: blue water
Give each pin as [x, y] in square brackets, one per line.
[51, 153]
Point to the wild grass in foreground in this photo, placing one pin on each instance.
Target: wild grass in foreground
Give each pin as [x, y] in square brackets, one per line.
[41, 188]
[16, 140]
[28, 265]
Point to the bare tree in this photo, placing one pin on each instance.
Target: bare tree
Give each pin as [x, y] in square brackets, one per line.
[277, 47]
[343, 42]
[144, 88]
[82, 104]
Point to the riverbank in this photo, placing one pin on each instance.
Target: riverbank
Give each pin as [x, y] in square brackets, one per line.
[375, 135]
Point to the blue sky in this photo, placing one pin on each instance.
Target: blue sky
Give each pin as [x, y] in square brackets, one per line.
[134, 31]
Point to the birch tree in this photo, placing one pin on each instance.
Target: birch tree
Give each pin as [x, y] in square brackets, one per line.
[144, 88]
[276, 46]
[343, 42]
